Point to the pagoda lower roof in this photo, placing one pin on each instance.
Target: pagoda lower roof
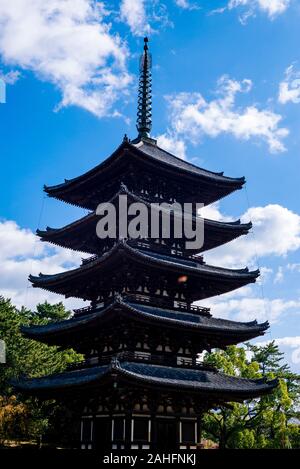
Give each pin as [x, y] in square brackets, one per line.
[79, 190]
[75, 282]
[81, 235]
[211, 384]
[59, 333]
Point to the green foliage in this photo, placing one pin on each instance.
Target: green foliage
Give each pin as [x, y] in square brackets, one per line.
[260, 423]
[50, 312]
[30, 358]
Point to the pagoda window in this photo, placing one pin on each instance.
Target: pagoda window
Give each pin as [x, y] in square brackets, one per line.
[86, 431]
[188, 432]
[102, 432]
[118, 429]
[140, 430]
[184, 361]
[143, 355]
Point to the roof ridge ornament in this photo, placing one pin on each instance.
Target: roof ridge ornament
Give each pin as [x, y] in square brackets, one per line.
[144, 110]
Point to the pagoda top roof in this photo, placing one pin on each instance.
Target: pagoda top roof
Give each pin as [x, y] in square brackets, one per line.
[233, 277]
[210, 383]
[120, 307]
[159, 154]
[70, 235]
[148, 153]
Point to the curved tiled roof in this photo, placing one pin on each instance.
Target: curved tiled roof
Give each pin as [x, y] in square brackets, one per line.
[226, 279]
[86, 189]
[73, 236]
[146, 313]
[183, 264]
[158, 155]
[211, 383]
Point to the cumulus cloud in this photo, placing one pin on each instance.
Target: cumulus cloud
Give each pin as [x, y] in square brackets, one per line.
[213, 212]
[249, 308]
[22, 253]
[141, 15]
[193, 117]
[187, 5]
[10, 77]
[276, 232]
[172, 144]
[68, 43]
[134, 14]
[272, 8]
[289, 88]
[294, 267]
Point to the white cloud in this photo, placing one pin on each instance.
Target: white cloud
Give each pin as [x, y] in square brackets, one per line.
[213, 212]
[248, 308]
[276, 232]
[134, 14]
[279, 275]
[289, 88]
[265, 274]
[140, 15]
[172, 144]
[10, 77]
[192, 116]
[294, 267]
[68, 43]
[21, 253]
[272, 8]
[187, 5]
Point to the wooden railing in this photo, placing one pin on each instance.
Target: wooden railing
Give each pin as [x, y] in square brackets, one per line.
[152, 301]
[167, 304]
[140, 357]
[156, 248]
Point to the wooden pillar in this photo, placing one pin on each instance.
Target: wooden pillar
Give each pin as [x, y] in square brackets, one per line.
[128, 419]
[199, 430]
[177, 420]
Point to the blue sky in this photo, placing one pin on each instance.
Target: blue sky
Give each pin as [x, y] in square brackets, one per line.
[226, 96]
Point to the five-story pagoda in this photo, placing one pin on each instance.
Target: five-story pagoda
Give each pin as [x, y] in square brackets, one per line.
[141, 385]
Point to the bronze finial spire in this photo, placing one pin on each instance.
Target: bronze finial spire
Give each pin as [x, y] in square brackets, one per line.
[144, 113]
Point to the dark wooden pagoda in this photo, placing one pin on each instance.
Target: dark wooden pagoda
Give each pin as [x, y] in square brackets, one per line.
[141, 385]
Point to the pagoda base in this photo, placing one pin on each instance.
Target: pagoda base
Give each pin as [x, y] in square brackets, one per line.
[141, 419]
[140, 432]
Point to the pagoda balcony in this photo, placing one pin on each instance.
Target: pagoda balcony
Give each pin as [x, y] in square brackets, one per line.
[166, 304]
[157, 248]
[142, 357]
[150, 301]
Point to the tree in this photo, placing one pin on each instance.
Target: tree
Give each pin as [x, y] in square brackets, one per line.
[30, 358]
[50, 312]
[258, 423]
